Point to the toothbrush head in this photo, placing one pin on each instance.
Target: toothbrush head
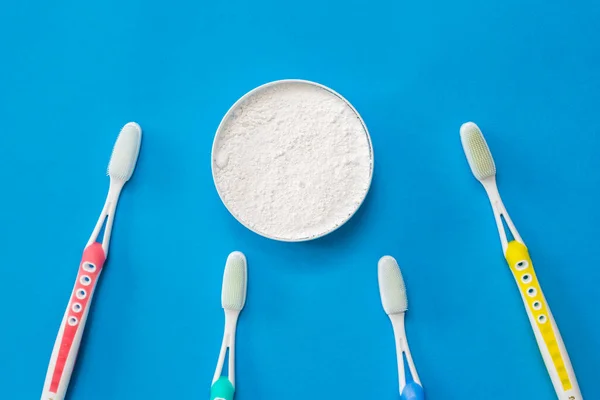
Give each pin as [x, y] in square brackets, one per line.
[235, 282]
[477, 151]
[391, 286]
[125, 153]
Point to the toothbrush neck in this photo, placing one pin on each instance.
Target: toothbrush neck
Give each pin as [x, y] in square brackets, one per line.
[231, 318]
[114, 190]
[399, 332]
[489, 184]
[109, 211]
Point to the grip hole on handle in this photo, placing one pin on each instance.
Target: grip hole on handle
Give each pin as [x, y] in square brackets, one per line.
[81, 293]
[521, 265]
[85, 280]
[73, 321]
[526, 278]
[542, 319]
[89, 267]
[532, 291]
[537, 305]
[76, 307]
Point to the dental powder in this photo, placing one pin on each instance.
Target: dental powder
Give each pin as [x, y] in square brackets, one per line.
[292, 160]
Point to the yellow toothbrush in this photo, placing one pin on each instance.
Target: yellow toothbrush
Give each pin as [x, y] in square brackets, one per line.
[546, 332]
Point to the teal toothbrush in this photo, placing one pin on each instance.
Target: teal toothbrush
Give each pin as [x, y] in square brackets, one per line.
[233, 298]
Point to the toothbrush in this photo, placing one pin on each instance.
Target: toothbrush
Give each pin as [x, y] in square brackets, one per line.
[544, 327]
[120, 168]
[395, 304]
[233, 298]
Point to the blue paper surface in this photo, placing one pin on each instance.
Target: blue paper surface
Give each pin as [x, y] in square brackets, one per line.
[72, 73]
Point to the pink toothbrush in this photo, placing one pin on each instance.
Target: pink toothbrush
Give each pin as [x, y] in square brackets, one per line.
[120, 168]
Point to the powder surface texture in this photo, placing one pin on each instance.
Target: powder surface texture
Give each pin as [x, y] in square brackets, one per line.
[292, 161]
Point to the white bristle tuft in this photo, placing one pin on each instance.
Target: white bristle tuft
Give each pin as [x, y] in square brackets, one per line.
[477, 151]
[125, 153]
[391, 286]
[235, 282]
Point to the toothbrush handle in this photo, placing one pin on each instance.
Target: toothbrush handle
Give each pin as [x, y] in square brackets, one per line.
[409, 382]
[546, 332]
[412, 390]
[71, 329]
[222, 389]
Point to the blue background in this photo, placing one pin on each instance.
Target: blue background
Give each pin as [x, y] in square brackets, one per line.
[72, 73]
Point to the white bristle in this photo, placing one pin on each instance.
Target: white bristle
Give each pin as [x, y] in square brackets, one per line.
[235, 279]
[391, 286]
[477, 151]
[125, 153]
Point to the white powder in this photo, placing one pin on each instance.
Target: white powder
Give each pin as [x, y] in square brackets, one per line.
[292, 161]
